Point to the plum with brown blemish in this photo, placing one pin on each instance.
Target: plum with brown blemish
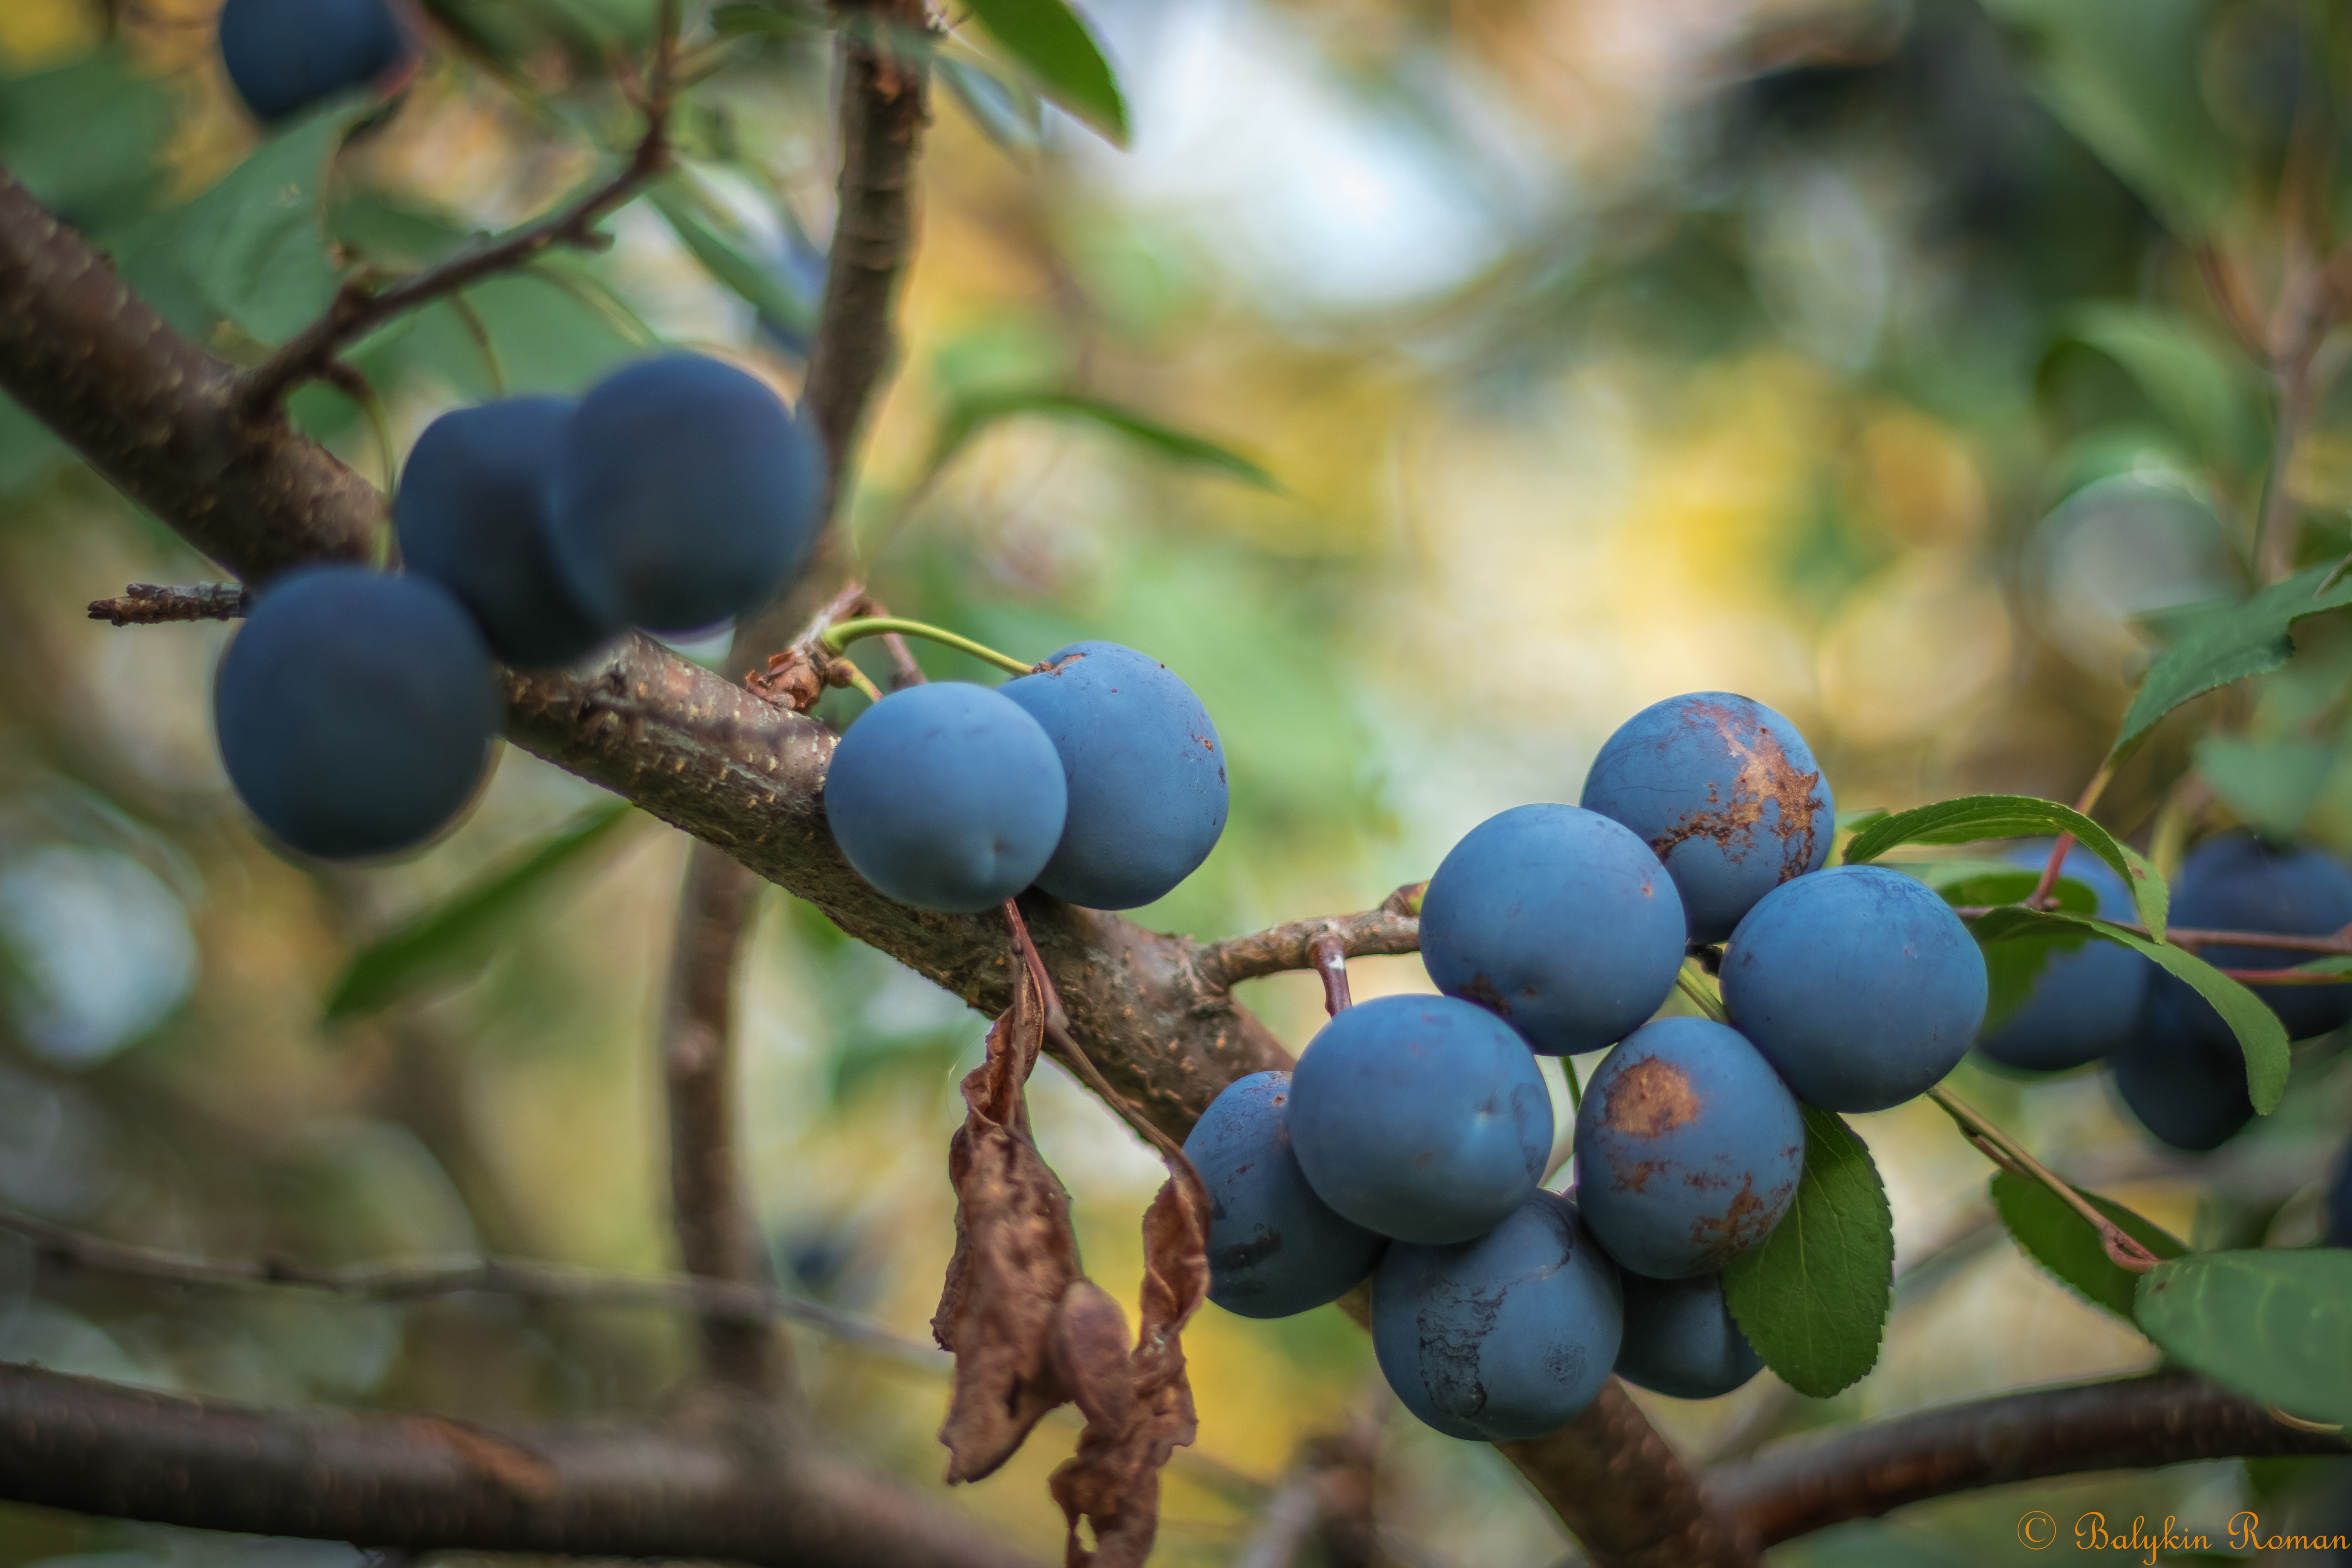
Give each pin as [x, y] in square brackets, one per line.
[1506, 1337]
[1689, 1148]
[1275, 1248]
[1858, 984]
[1726, 791]
[1145, 770]
[1557, 920]
[1680, 1339]
[1420, 1118]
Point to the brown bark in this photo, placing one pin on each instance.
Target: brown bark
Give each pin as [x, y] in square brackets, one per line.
[1624, 1495]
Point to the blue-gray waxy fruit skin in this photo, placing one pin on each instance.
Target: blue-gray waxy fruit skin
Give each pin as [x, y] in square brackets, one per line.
[945, 796]
[1557, 920]
[1505, 1337]
[1146, 771]
[2084, 1003]
[1275, 1248]
[1726, 791]
[355, 711]
[2236, 882]
[1420, 1118]
[283, 56]
[2182, 1074]
[1680, 1339]
[1689, 1148]
[1858, 985]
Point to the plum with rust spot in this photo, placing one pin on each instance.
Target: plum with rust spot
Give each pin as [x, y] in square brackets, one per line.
[1506, 1337]
[1275, 1248]
[2237, 882]
[1859, 985]
[1420, 1118]
[1726, 791]
[1558, 920]
[2084, 1003]
[1680, 1339]
[1689, 1148]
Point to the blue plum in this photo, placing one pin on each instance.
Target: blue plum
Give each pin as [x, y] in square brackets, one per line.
[2236, 882]
[1681, 1341]
[1505, 1337]
[2086, 1004]
[1275, 1248]
[1420, 1118]
[2182, 1074]
[355, 712]
[684, 492]
[1146, 772]
[1858, 984]
[1558, 920]
[1726, 791]
[946, 796]
[283, 56]
[472, 513]
[1689, 1148]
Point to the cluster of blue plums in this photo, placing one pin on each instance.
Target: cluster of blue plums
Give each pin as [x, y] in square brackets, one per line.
[1409, 1144]
[1097, 777]
[283, 56]
[357, 710]
[2175, 1064]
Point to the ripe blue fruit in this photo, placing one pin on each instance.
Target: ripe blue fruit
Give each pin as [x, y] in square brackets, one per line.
[355, 712]
[1420, 1118]
[1680, 1339]
[2236, 882]
[1556, 919]
[1504, 1337]
[283, 56]
[2083, 1005]
[684, 492]
[1859, 985]
[1275, 1248]
[1726, 791]
[946, 796]
[1146, 772]
[2182, 1074]
[1687, 1149]
[472, 513]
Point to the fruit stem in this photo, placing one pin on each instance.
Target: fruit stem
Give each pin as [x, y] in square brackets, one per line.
[1331, 955]
[2040, 899]
[857, 678]
[1575, 1090]
[839, 637]
[1687, 980]
[2007, 1153]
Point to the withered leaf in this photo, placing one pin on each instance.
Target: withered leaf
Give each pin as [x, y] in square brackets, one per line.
[1015, 1254]
[1139, 1403]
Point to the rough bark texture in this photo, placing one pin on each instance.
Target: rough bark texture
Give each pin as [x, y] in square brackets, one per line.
[1618, 1486]
[1860, 1472]
[420, 1483]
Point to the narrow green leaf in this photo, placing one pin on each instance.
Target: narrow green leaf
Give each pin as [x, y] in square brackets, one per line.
[2049, 1232]
[758, 284]
[2231, 645]
[2274, 1325]
[1974, 817]
[2260, 1034]
[1812, 1297]
[454, 939]
[973, 414]
[1053, 43]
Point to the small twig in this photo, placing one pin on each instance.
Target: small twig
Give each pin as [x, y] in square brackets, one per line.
[1331, 964]
[2194, 937]
[904, 670]
[2040, 897]
[1300, 944]
[2007, 1153]
[150, 604]
[798, 676]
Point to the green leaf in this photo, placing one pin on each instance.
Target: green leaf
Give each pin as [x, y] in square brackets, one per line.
[2231, 645]
[1052, 44]
[2203, 388]
[454, 939]
[2274, 1325]
[2049, 1232]
[1812, 1297]
[758, 284]
[1006, 112]
[2269, 785]
[87, 139]
[2260, 1034]
[970, 414]
[1975, 817]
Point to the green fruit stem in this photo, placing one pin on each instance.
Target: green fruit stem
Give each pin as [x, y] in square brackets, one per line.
[839, 637]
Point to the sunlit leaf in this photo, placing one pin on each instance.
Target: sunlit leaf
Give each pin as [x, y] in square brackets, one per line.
[2274, 1325]
[1053, 43]
[1812, 1298]
[2047, 1229]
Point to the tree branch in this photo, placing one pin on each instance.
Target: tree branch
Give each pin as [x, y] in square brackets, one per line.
[714, 1484]
[148, 605]
[1860, 1472]
[1623, 1494]
[1394, 927]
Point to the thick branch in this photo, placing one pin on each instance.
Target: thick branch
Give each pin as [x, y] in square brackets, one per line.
[714, 1486]
[1860, 1472]
[1623, 1494]
[1391, 928]
[148, 605]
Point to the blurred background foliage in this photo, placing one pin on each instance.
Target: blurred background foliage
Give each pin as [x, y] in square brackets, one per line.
[1854, 355]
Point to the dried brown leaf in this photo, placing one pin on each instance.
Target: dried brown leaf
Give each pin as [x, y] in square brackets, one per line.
[1015, 1257]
